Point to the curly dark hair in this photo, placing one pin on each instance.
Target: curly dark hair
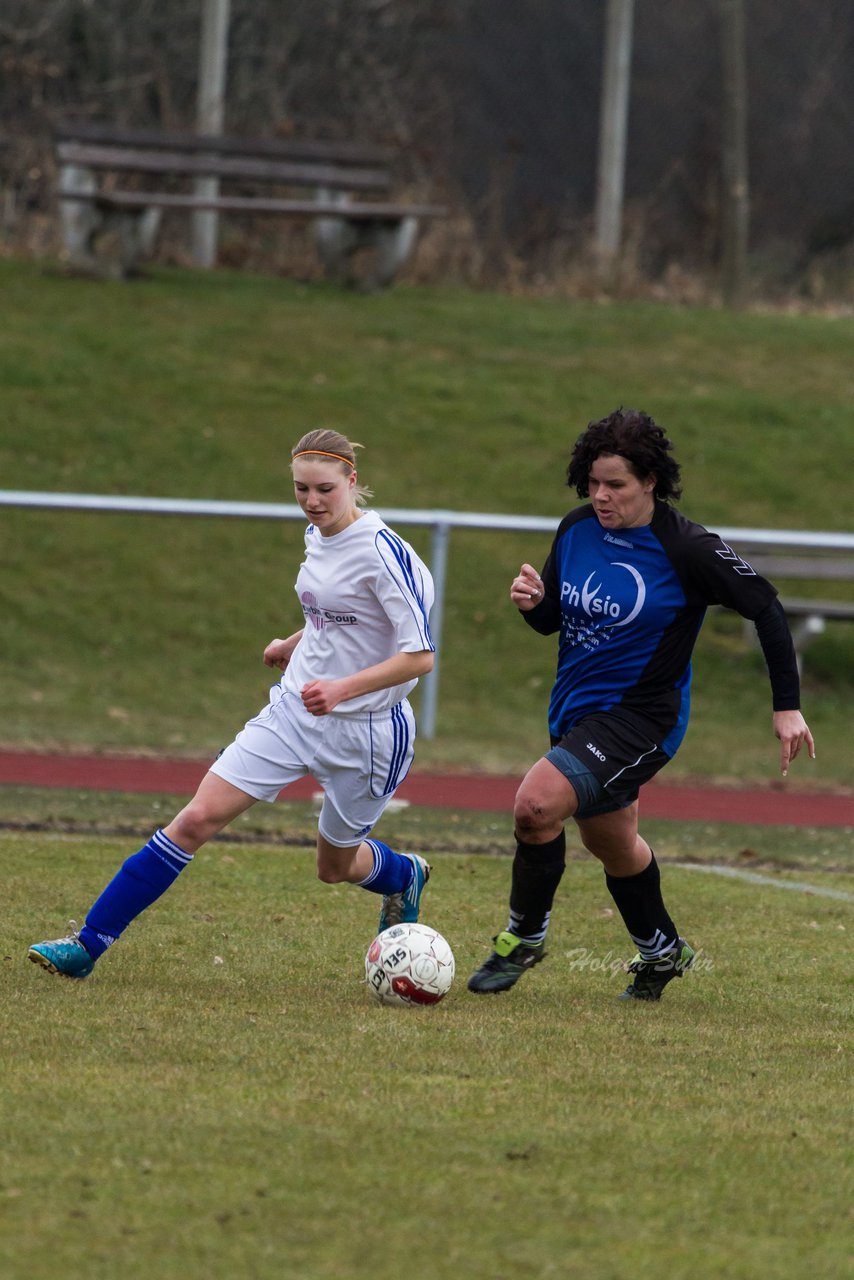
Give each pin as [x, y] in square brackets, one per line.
[636, 437]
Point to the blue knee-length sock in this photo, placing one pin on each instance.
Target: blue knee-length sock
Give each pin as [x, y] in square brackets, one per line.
[140, 881]
[392, 871]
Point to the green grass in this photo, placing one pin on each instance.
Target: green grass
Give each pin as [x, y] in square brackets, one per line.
[146, 633]
[223, 1099]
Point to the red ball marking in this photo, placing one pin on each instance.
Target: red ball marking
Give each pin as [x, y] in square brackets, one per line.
[374, 950]
[404, 986]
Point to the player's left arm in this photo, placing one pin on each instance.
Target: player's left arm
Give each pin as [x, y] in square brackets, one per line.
[710, 567]
[790, 727]
[322, 696]
[794, 733]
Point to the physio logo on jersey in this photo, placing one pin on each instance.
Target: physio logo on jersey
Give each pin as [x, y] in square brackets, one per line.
[320, 618]
[615, 603]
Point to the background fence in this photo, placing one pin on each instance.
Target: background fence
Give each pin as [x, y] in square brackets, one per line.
[440, 523]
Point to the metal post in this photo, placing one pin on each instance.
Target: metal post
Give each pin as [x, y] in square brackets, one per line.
[614, 110]
[430, 683]
[736, 195]
[210, 110]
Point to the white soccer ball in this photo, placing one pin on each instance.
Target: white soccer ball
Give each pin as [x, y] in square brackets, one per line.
[409, 964]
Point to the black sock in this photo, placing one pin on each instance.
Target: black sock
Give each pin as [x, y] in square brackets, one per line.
[639, 902]
[537, 870]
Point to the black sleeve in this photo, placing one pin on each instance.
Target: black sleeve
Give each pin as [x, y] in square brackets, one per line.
[545, 616]
[710, 570]
[772, 629]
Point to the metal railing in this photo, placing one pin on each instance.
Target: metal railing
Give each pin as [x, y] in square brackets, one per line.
[440, 523]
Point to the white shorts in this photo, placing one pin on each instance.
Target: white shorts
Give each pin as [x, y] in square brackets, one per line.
[359, 760]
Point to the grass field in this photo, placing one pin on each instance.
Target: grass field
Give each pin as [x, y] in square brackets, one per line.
[146, 633]
[223, 1099]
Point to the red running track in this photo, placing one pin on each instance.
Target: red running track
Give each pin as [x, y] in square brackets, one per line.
[775, 806]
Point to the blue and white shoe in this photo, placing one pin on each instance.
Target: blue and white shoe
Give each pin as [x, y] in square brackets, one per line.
[65, 956]
[403, 908]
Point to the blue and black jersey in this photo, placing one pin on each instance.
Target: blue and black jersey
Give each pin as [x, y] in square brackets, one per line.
[629, 604]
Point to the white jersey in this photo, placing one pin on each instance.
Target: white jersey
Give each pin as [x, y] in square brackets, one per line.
[366, 596]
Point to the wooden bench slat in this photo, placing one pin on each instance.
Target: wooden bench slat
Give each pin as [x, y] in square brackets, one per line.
[262, 170]
[358, 210]
[83, 131]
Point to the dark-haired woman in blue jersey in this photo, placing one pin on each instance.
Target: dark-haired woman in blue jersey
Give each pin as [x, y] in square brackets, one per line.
[626, 585]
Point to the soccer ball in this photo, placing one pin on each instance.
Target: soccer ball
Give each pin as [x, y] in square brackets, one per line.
[409, 964]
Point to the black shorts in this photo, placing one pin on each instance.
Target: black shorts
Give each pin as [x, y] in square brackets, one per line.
[607, 757]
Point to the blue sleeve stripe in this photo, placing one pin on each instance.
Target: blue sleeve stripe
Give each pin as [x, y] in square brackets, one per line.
[404, 562]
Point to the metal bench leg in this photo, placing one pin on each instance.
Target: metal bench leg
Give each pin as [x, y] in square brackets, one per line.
[393, 244]
[336, 241]
[89, 227]
[390, 244]
[137, 231]
[79, 219]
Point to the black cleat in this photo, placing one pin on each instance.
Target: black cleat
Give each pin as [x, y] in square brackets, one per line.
[506, 965]
[652, 976]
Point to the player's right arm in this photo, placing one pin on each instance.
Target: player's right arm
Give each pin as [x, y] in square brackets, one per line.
[526, 589]
[279, 652]
[536, 596]
[322, 696]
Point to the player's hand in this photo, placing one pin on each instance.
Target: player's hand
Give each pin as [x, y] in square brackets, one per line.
[319, 697]
[279, 652]
[793, 731]
[526, 590]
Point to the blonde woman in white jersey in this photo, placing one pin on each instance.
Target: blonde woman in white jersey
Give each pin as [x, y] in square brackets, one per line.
[340, 712]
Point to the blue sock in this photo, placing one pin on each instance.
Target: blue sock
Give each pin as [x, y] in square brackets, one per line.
[392, 871]
[140, 881]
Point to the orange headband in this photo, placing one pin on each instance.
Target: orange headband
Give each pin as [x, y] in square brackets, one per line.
[323, 454]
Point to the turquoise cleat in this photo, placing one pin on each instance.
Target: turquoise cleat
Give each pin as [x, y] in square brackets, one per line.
[403, 908]
[65, 956]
